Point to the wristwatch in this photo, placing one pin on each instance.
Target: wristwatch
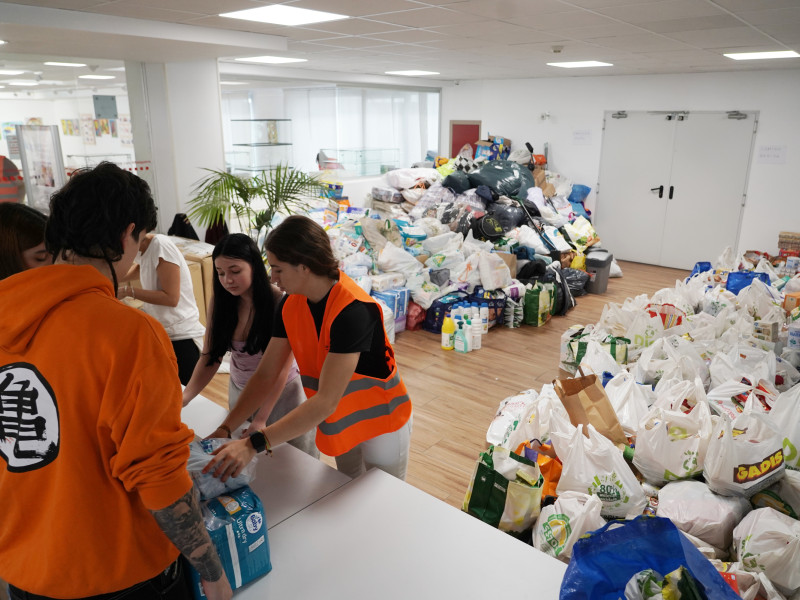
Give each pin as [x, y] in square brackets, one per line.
[258, 441]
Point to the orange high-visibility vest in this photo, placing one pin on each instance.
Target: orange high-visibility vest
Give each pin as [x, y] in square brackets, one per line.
[370, 406]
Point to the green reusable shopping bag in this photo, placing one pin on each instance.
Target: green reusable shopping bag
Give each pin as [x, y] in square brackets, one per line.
[505, 491]
[538, 304]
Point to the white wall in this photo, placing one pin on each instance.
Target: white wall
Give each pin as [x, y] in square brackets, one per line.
[512, 108]
[52, 110]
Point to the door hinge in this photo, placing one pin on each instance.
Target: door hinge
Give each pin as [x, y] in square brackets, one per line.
[736, 114]
[620, 114]
[744, 199]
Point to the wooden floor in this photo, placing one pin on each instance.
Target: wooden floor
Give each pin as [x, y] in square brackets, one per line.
[455, 396]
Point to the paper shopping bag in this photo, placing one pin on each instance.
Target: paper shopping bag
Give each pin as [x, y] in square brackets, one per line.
[586, 403]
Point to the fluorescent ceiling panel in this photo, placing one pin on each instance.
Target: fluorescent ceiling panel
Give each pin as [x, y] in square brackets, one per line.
[412, 73]
[96, 77]
[280, 14]
[272, 60]
[580, 64]
[11, 72]
[64, 64]
[763, 55]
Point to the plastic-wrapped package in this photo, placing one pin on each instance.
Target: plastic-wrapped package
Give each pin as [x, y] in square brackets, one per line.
[208, 485]
[698, 511]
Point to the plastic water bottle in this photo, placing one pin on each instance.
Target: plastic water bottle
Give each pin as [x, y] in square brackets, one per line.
[448, 333]
[484, 311]
[475, 331]
[474, 313]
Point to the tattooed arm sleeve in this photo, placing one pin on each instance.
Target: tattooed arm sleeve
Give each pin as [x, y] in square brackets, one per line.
[183, 525]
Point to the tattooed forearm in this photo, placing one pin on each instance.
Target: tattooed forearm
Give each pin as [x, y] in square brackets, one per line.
[183, 525]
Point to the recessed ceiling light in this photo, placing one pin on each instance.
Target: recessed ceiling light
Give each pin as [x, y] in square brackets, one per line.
[64, 64]
[23, 82]
[232, 82]
[3, 42]
[280, 14]
[762, 55]
[272, 60]
[96, 77]
[10, 72]
[412, 73]
[580, 64]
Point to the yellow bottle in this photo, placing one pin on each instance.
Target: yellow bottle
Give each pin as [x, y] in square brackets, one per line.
[448, 333]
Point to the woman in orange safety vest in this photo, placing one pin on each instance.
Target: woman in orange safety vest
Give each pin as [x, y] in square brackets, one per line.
[356, 399]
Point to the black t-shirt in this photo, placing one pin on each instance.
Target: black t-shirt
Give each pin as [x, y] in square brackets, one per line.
[357, 328]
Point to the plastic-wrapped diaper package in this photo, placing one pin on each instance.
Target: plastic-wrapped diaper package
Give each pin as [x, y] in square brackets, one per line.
[698, 511]
[208, 485]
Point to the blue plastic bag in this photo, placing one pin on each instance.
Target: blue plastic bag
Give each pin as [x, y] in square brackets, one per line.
[577, 197]
[737, 280]
[604, 561]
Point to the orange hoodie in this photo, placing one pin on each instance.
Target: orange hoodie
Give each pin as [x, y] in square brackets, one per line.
[90, 435]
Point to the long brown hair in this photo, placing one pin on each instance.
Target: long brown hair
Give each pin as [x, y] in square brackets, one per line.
[21, 228]
[300, 241]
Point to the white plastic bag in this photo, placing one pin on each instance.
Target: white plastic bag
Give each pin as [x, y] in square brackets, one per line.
[696, 510]
[508, 415]
[598, 360]
[630, 400]
[783, 496]
[394, 258]
[785, 416]
[768, 541]
[443, 242]
[597, 466]
[535, 423]
[671, 444]
[561, 524]
[658, 361]
[494, 271]
[745, 455]
[729, 398]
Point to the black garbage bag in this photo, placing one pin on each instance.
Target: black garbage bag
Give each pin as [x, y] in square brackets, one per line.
[576, 279]
[458, 181]
[503, 177]
[509, 217]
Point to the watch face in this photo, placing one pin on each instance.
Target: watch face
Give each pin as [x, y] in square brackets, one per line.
[259, 441]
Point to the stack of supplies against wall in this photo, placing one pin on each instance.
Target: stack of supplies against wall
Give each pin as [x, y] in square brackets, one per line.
[684, 406]
[491, 228]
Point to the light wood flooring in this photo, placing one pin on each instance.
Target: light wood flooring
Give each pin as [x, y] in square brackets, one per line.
[455, 396]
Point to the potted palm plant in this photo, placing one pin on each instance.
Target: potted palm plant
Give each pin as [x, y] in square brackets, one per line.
[252, 201]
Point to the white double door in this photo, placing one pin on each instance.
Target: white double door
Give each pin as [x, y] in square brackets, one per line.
[672, 185]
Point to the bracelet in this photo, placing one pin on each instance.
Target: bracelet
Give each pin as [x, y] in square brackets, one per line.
[226, 429]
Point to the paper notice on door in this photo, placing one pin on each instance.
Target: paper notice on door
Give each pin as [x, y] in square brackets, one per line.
[772, 154]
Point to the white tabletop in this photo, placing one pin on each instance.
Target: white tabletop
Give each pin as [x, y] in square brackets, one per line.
[378, 537]
[287, 481]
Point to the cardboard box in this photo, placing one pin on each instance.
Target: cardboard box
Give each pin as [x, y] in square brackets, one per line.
[199, 252]
[510, 260]
[235, 521]
[488, 149]
[196, 270]
[791, 301]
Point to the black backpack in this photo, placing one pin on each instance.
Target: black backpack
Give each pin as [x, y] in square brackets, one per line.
[488, 228]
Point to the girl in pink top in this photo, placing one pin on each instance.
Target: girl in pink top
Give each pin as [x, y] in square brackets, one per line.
[240, 320]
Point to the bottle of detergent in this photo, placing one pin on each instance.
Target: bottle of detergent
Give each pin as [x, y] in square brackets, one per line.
[448, 333]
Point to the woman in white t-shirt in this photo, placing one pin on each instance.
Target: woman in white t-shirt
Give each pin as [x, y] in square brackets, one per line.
[168, 296]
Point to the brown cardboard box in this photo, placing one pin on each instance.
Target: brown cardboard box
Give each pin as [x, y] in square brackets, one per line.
[197, 285]
[539, 177]
[199, 252]
[790, 301]
[510, 260]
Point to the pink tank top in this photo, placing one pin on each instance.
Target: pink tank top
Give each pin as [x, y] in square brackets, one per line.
[243, 365]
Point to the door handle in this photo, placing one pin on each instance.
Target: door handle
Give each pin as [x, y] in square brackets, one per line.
[660, 190]
[671, 189]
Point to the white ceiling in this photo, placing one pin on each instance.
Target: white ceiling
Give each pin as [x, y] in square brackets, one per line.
[461, 39]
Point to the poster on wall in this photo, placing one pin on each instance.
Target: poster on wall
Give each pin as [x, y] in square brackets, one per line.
[42, 165]
[70, 127]
[9, 133]
[125, 130]
[87, 130]
[112, 123]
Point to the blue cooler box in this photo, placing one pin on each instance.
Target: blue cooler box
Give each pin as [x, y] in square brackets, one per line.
[235, 521]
